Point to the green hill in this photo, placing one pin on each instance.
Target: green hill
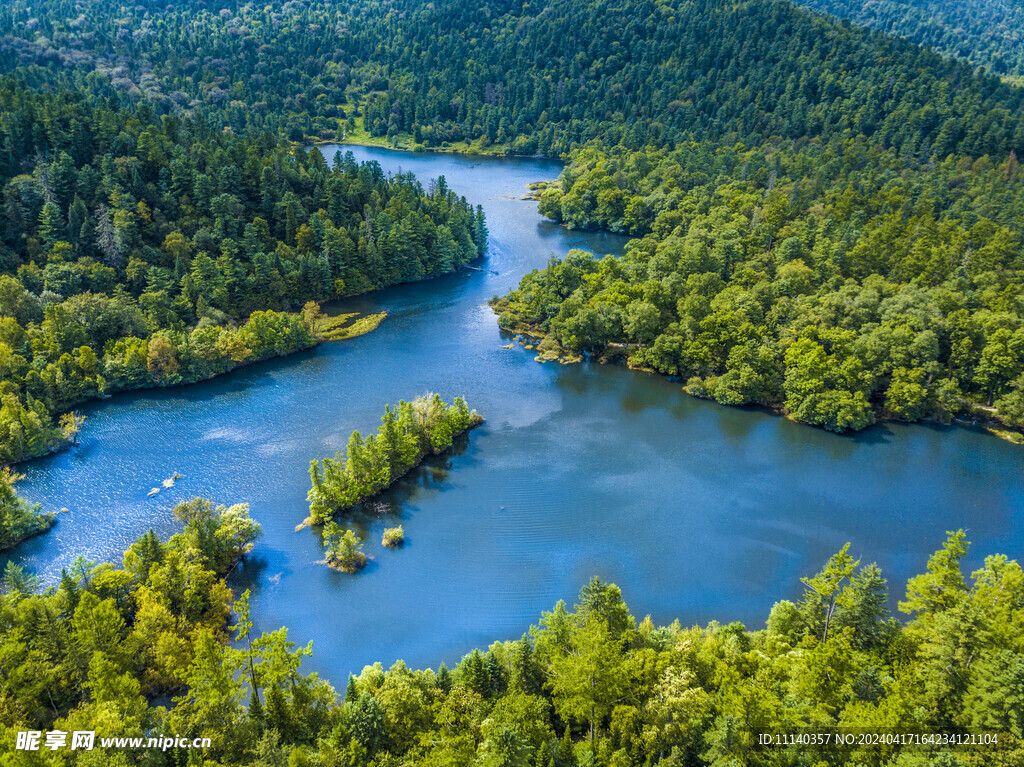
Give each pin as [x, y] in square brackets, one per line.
[984, 33]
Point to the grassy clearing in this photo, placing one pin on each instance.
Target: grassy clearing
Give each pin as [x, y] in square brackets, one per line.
[342, 327]
[360, 136]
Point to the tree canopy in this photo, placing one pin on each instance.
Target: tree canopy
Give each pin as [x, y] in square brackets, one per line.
[830, 280]
[984, 33]
[142, 649]
[140, 250]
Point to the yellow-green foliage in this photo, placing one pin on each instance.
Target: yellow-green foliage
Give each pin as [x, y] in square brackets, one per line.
[342, 327]
[585, 681]
[1010, 436]
[393, 537]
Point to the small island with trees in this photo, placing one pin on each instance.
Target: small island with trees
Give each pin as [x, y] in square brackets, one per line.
[407, 435]
[344, 549]
[394, 537]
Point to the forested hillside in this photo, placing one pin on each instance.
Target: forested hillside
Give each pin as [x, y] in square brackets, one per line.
[591, 686]
[144, 250]
[984, 33]
[519, 77]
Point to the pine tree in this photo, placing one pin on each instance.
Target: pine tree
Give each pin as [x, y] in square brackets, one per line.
[443, 679]
[278, 714]
[256, 713]
[69, 589]
[472, 673]
[565, 748]
[480, 232]
[942, 587]
[865, 608]
[51, 224]
[496, 676]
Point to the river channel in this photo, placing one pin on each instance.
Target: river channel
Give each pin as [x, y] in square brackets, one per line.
[697, 511]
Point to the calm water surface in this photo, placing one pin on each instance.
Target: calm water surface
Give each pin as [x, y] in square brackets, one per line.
[697, 511]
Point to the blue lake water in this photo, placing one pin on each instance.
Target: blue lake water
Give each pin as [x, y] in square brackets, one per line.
[697, 511]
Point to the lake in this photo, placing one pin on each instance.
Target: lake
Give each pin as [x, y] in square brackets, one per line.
[698, 511]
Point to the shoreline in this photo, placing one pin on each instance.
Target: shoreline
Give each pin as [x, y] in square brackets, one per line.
[44, 523]
[156, 387]
[366, 323]
[361, 325]
[979, 418]
[466, 151]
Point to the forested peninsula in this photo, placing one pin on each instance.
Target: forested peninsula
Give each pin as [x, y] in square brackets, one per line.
[141, 649]
[827, 279]
[145, 250]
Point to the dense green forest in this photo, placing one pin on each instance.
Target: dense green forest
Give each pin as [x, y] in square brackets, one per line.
[520, 77]
[985, 33]
[826, 279]
[407, 435]
[160, 176]
[141, 250]
[140, 650]
[831, 215]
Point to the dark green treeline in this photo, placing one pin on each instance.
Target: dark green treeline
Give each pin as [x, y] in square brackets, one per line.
[521, 77]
